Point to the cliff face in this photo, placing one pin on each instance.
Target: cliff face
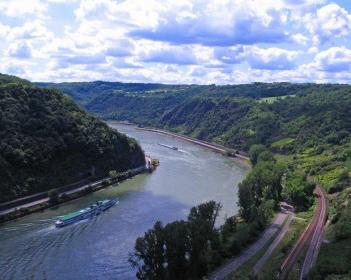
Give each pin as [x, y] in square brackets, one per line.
[48, 141]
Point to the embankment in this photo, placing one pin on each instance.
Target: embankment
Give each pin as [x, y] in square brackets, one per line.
[214, 147]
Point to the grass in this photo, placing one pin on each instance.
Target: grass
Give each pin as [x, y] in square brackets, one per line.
[244, 271]
[271, 100]
[334, 258]
[348, 164]
[271, 268]
[283, 159]
[282, 142]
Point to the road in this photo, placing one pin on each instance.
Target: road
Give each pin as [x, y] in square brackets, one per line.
[258, 266]
[30, 204]
[235, 263]
[307, 240]
[33, 203]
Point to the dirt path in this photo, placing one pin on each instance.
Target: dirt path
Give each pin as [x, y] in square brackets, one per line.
[235, 263]
[258, 266]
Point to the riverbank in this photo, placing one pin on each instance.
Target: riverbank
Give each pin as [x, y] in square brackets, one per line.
[214, 147]
[62, 197]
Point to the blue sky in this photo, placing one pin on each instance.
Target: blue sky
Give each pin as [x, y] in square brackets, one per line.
[183, 41]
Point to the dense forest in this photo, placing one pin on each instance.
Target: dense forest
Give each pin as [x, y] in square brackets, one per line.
[296, 135]
[48, 141]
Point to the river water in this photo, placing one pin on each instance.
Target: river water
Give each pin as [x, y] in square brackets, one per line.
[32, 248]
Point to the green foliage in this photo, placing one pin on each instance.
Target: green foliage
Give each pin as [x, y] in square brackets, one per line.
[255, 151]
[282, 142]
[335, 260]
[180, 250]
[265, 212]
[273, 99]
[311, 114]
[262, 183]
[47, 140]
[266, 156]
[298, 191]
[53, 197]
[343, 226]
[335, 255]
[343, 181]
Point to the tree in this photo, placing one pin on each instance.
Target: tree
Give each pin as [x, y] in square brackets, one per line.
[262, 183]
[204, 238]
[180, 250]
[297, 190]
[149, 256]
[255, 151]
[265, 213]
[265, 156]
[177, 245]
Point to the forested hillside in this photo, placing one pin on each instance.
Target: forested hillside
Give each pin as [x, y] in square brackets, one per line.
[146, 104]
[48, 141]
[233, 115]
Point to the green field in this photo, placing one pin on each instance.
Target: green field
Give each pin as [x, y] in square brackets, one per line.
[271, 100]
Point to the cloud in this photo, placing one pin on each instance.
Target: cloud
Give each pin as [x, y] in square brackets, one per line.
[34, 29]
[120, 48]
[299, 39]
[19, 8]
[329, 22]
[232, 55]
[222, 23]
[335, 59]
[258, 58]
[170, 55]
[185, 41]
[20, 50]
[271, 58]
[83, 59]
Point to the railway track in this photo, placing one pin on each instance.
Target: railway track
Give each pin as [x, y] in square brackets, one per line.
[309, 240]
[316, 240]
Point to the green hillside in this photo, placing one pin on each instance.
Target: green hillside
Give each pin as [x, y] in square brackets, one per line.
[48, 141]
[297, 132]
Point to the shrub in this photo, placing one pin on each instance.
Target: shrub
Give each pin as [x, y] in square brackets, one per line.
[53, 197]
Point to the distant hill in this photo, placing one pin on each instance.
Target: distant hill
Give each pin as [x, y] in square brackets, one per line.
[234, 115]
[48, 141]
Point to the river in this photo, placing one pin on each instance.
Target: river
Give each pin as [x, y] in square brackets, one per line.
[32, 248]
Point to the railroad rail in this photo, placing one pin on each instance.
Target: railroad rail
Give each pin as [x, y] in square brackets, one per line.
[316, 241]
[308, 240]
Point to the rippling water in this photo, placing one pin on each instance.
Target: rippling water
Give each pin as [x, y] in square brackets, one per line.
[32, 248]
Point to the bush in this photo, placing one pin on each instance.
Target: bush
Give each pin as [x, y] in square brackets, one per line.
[53, 197]
[255, 151]
[266, 156]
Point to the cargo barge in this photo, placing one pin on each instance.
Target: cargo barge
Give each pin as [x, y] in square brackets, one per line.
[91, 211]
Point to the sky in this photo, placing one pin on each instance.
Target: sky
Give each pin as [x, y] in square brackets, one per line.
[179, 41]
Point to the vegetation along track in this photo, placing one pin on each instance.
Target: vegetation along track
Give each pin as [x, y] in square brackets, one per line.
[310, 240]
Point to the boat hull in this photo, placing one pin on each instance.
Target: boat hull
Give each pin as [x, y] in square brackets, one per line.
[86, 213]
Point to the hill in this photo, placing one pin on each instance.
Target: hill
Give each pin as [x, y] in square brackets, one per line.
[233, 115]
[297, 133]
[48, 141]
